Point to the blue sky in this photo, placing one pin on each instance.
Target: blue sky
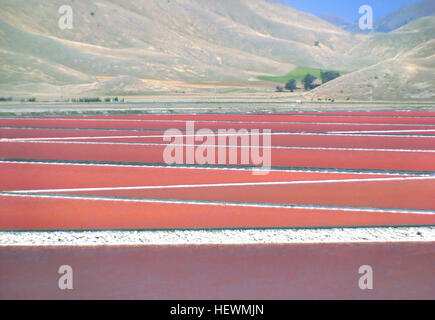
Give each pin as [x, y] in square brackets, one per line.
[347, 8]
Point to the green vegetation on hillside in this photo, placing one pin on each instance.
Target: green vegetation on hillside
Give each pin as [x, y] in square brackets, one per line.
[297, 74]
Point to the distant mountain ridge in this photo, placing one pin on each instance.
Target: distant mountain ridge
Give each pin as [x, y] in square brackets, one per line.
[388, 22]
[405, 15]
[340, 22]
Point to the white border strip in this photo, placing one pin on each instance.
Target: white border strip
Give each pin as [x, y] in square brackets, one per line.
[212, 185]
[217, 145]
[193, 135]
[302, 133]
[223, 236]
[380, 131]
[220, 203]
[219, 121]
[193, 167]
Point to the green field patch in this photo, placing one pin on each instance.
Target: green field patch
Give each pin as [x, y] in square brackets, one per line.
[298, 74]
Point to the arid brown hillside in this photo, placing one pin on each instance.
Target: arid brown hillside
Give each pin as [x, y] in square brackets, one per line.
[143, 46]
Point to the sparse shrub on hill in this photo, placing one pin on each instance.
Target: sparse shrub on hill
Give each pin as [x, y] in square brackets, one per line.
[279, 89]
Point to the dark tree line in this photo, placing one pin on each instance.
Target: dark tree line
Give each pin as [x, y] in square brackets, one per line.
[290, 85]
[329, 75]
[308, 81]
[326, 76]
